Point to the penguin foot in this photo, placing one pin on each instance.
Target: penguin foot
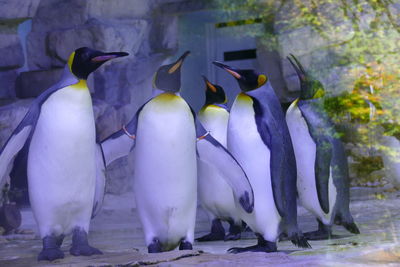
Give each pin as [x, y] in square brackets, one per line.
[234, 231]
[155, 246]
[299, 240]
[232, 236]
[324, 232]
[80, 245]
[351, 227]
[211, 237]
[185, 245]
[59, 240]
[262, 246]
[50, 254]
[283, 237]
[51, 250]
[217, 232]
[317, 235]
[84, 250]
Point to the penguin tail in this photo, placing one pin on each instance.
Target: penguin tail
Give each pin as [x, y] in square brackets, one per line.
[348, 223]
[351, 227]
[299, 240]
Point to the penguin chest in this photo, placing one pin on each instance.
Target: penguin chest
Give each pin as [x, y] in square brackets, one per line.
[215, 120]
[305, 153]
[61, 161]
[165, 181]
[244, 140]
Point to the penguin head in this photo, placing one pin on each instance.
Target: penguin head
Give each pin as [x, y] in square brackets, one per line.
[310, 88]
[168, 77]
[215, 94]
[84, 61]
[248, 79]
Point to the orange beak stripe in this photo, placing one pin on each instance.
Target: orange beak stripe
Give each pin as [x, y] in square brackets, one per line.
[212, 87]
[233, 73]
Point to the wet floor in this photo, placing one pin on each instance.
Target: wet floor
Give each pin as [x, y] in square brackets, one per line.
[117, 232]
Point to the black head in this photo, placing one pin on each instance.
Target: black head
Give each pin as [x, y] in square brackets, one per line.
[310, 88]
[214, 93]
[168, 77]
[248, 79]
[84, 61]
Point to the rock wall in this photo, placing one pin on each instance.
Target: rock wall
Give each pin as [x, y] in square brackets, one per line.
[58, 28]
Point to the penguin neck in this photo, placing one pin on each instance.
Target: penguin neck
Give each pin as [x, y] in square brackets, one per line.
[213, 105]
[156, 92]
[80, 85]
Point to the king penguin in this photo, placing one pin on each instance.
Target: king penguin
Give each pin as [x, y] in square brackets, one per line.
[258, 138]
[322, 170]
[61, 167]
[165, 138]
[215, 195]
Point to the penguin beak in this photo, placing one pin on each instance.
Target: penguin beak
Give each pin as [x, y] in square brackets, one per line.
[229, 69]
[178, 63]
[103, 57]
[297, 67]
[209, 85]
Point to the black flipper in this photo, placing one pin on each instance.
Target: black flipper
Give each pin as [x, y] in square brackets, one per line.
[116, 146]
[212, 152]
[341, 180]
[122, 142]
[101, 176]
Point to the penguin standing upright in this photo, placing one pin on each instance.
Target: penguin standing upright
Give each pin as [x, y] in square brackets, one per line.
[61, 159]
[162, 136]
[259, 139]
[215, 194]
[322, 170]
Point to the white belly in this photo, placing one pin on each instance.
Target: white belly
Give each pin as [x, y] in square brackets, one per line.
[305, 153]
[246, 145]
[215, 194]
[391, 159]
[165, 181]
[61, 162]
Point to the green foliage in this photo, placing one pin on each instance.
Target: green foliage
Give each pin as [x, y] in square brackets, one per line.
[360, 41]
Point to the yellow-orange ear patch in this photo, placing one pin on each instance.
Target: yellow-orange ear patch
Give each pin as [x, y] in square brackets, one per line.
[175, 67]
[70, 60]
[211, 87]
[261, 79]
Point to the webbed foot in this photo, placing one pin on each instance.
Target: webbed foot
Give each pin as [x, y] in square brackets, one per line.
[80, 245]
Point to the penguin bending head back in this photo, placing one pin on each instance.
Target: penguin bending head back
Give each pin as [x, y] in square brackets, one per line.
[323, 178]
[310, 88]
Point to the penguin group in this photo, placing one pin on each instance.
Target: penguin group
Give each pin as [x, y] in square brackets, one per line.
[247, 166]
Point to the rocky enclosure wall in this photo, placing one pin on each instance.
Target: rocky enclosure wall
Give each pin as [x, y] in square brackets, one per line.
[58, 27]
